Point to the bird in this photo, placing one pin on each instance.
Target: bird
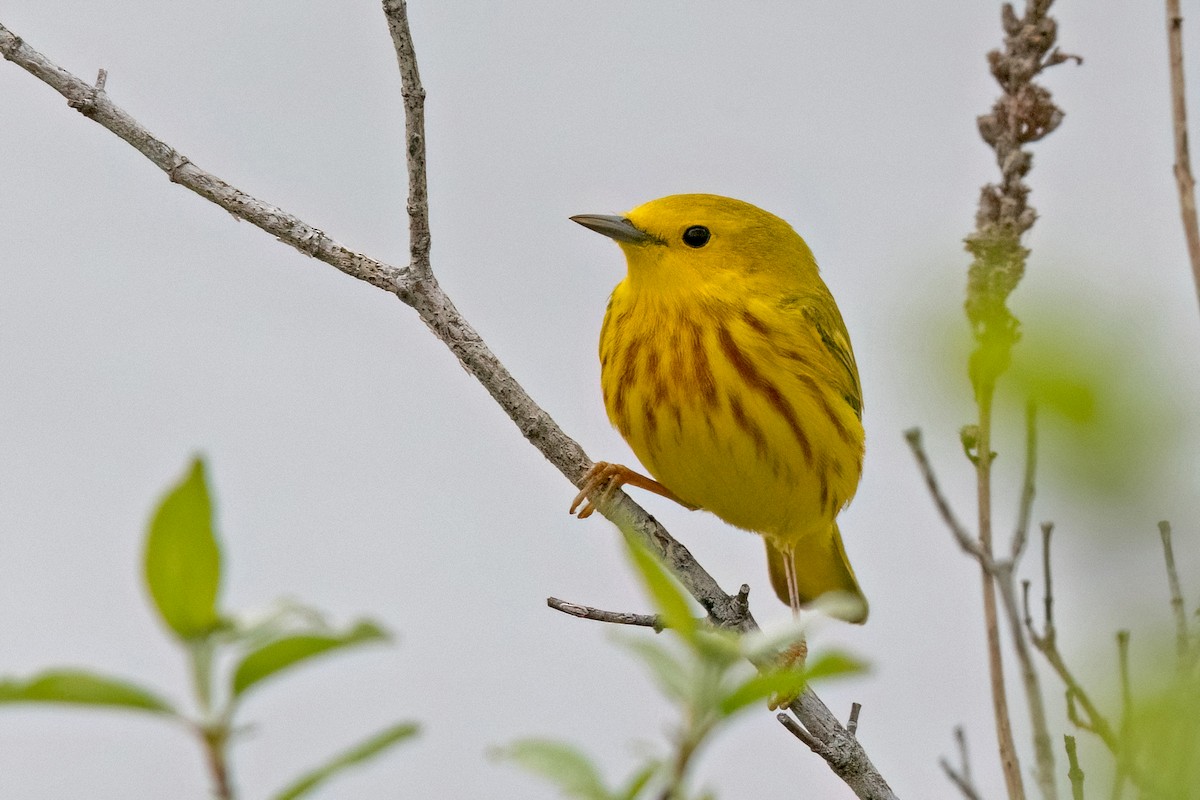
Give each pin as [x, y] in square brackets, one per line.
[727, 367]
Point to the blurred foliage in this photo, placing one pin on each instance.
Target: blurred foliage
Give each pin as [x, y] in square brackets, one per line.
[364, 751]
[182, 568]
[79, 687]
[1162, 737]
[706, 675]
[1155, 754]
[1108, 400]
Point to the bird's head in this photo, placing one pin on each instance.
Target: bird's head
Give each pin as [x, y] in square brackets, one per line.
[699, 241]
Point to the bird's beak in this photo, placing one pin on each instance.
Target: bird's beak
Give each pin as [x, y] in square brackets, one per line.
[618, 228]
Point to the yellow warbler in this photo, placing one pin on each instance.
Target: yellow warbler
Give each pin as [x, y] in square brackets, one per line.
[726, 366]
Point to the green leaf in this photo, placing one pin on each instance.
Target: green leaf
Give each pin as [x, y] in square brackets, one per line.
[787, 681]
[719, 648]
[563, 765]
[358, 754]
[832, 665]
[639, 781]
[183, 560]
[673, 677]
[77, 687]
[288, 651]
[755, 689]
[669, 600]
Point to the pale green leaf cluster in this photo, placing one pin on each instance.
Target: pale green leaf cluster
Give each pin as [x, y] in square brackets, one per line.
[182, 568]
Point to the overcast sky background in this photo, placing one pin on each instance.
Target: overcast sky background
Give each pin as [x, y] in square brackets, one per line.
[357, 467]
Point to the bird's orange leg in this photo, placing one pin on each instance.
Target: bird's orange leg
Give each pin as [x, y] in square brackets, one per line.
[606, 478]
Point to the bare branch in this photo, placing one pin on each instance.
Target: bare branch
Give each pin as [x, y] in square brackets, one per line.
[93, 103]
[1182, 637]
[841, 751]
[414, 127]
[1001, 573]
[1185, 183]
[963, 786]
[1047, 645]
[852, 723]
[1043, 755]
[1122, 773]
[1126, 685]
[968, 544]
[961, 778]
[617, 617]
[800, 733]
[1025, 510]
[1048, 595]
[999, 576]
[1074, 773]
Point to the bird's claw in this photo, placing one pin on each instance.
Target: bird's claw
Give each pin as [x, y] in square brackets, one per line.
[791, 658]
[603, 477]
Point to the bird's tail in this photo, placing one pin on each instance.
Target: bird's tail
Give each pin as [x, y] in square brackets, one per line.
[818, 567]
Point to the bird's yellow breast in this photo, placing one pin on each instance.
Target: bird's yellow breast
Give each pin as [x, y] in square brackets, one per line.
[731, 406]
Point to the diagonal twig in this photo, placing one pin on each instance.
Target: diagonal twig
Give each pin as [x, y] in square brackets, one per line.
[1185, 183]
[600, 615]
[1047, 644]
[961, 777]
[969, 545]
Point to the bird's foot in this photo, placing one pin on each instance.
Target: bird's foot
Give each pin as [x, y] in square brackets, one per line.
[600, 481]
[791, 658]
[604, 478]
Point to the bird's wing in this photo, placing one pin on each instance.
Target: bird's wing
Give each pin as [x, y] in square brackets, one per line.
[826, 321]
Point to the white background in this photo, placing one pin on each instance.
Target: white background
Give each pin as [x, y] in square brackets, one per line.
[357, 467]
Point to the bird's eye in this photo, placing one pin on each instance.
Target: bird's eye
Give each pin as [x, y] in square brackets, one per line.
[696, 236]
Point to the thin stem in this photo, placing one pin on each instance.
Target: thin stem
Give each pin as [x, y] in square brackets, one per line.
[1047, 644]
[1123, 762]
[1185, 183]
[1048, 595]
[1182, 637]
[961, 778]
[1009, 762]
[1043, 749]
[200, 659]
[1074, 772]
[1028, 485]
[1000, 575]
[215, 751]
[689, 743]
[1126, 684]
[212, 730]
[617, 617]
